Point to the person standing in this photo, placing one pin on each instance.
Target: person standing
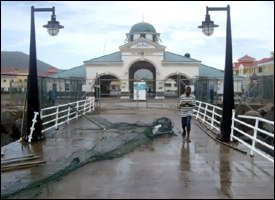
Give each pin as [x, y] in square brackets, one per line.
[187, 102]
[211, 94]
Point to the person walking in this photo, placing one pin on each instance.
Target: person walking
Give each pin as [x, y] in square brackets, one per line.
[187, 102]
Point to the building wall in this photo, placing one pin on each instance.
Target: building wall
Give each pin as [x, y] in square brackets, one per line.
[163, 70]
[18, 82]
[267, 69]
[140, 50]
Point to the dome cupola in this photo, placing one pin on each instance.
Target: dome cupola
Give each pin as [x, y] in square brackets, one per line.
[142, 27]
[143, 30]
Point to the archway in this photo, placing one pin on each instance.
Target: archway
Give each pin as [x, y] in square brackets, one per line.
[175, 84]
[142, 70]
[106, 86]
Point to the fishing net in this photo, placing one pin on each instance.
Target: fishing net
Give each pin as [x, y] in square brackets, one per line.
[114, 140]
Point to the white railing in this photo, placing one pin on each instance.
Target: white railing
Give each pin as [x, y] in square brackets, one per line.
[54, 116]
[254, 138]
[208, 113]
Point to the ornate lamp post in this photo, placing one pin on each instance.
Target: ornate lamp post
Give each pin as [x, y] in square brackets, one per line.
[34, 123]
[228, 86]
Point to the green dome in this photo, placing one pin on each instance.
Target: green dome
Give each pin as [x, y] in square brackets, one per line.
[142, 27]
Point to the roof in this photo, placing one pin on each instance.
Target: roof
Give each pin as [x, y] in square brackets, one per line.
[247, 61]
[212, 72]
[168, 57]
[264, 60]
[172, 57]
[142, 27]
[246, 58]
[79, 71]
[204, 70]
[113, 57]
[8, 70]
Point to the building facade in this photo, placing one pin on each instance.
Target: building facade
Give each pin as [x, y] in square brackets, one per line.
[141, 52]
[143, 59]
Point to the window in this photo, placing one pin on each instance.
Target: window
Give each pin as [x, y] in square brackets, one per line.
[142, 35]
[54, 86]
[4, 80]
[167, 84]
[260, 69]
[67, 86]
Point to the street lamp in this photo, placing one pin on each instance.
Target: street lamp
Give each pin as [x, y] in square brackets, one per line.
[33, 108]
[228, 86]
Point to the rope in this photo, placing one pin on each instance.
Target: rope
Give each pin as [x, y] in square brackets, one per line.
[251, 109]
[203, 127]
[96, 123]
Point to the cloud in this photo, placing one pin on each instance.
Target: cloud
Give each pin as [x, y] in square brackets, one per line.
[94, 28]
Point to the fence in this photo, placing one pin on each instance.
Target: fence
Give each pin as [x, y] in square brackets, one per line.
[54, 116]
[54, 91]
[211, 115]
[256, 130]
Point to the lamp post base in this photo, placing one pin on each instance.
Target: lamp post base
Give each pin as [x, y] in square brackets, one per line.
[222, 139]
[35, 139]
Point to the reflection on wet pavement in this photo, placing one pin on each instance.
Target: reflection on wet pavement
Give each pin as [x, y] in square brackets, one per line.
[166, 167]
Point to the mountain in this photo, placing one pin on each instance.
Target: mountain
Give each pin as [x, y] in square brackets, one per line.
[20, 60]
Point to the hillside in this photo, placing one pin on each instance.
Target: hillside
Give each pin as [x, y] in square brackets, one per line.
[20, 60]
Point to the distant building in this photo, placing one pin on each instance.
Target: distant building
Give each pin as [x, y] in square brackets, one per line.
[141, 52]
[258, 76]
[14, 79]
[118, 71]
[68, 80]
[247, 66]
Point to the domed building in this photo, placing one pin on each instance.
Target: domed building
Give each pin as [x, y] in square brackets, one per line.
[144, 30]
[141, 54]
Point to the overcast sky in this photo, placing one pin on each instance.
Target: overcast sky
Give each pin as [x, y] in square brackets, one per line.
[93, 29]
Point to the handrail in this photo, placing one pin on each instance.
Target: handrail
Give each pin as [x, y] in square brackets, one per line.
[255, 140]
[53, 117]
[207, 113]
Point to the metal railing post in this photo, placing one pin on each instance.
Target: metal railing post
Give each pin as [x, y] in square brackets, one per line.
[198, 110]
[77, 106]
[254, 137]
[232, 126]
[213, 116]
[56, 119]
[68, 116]
[206, 107]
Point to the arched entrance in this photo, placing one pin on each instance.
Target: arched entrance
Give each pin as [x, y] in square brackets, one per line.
[176, 84]
[106, 86]
[142, 70]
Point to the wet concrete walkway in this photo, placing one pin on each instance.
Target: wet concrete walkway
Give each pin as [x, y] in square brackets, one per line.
[166, 167]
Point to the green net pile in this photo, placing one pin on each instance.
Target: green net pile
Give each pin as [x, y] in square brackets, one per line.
[116, 140]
